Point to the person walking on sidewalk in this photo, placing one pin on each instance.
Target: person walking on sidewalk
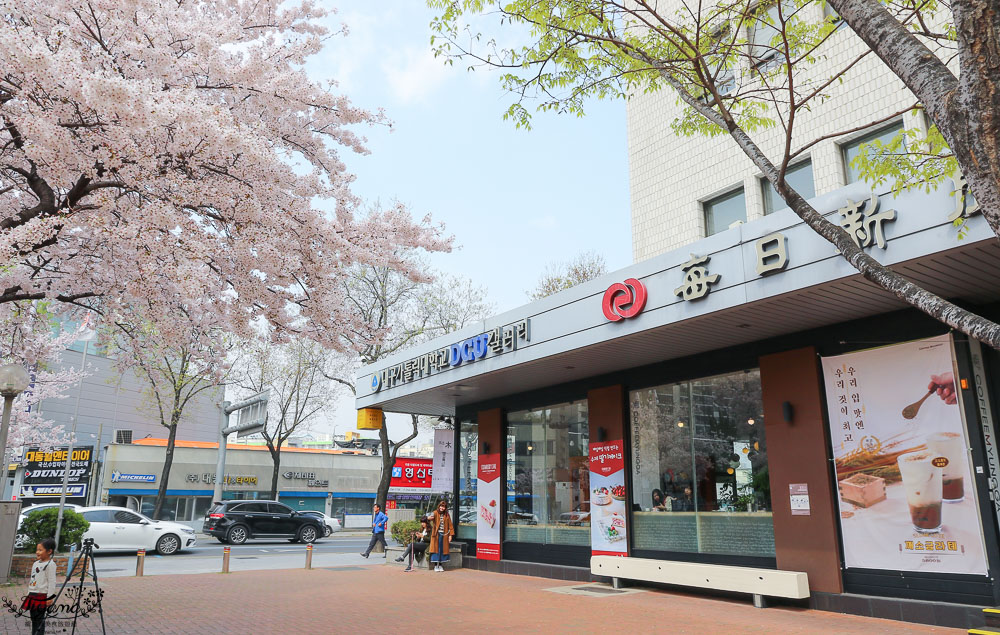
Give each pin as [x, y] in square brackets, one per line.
[442, 532]
[378, 530]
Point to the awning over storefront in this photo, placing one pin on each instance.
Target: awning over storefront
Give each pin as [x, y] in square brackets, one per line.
[775, 276]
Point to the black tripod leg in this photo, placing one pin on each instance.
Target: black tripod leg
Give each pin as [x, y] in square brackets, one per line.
[83, 576]
[97, 590]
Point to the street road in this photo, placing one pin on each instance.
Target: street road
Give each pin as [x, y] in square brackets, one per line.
[206, 557]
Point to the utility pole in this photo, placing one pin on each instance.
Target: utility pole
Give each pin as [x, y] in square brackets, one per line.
[250, 420]
[86, 337]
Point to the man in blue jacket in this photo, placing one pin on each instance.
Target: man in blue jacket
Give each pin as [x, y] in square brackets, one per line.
[378, 531]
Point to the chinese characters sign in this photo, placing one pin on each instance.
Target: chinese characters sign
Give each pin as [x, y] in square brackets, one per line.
[608, 525]
[905, 486]
[444, 461]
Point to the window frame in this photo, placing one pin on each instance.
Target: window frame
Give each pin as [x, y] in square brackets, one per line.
[867, 137]
[765, 186]
[732, 193]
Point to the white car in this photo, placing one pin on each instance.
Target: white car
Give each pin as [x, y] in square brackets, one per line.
[120, 528]
[27, 511]
[332, 524]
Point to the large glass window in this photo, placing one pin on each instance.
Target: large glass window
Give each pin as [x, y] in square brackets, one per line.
[852, 149]
[798, 177]
[699, 467]
[723, 211]
[548, 476]
[468, 473]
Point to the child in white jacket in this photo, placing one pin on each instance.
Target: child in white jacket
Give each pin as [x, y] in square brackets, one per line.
[42, 588]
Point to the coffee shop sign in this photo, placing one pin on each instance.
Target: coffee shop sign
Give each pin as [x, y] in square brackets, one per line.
[493, 342]
[309, 477]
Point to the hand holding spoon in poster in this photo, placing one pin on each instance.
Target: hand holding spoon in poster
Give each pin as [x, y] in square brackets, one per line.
[943, 385]
[910, 411]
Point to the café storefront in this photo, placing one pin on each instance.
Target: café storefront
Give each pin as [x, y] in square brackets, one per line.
[748, 400]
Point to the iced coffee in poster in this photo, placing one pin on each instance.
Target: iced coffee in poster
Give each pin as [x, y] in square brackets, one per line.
[904, 475]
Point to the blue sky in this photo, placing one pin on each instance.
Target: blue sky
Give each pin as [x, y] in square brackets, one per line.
[515, 198]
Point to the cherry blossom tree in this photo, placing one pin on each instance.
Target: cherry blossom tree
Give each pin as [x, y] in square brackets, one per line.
[26, 339]
[584, 266]
[401, 313]
[175, 156]
[300, 393]
[173, 375]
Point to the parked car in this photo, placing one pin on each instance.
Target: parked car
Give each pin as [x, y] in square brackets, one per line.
[236, 521]
[519, 516]
[577, 517]
[27, 511]
[332, 524]
[120, 528]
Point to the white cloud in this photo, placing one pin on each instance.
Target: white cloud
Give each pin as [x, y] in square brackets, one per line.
[545, 222]
[413, 74]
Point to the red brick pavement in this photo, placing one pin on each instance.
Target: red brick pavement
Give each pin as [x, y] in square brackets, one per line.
[386, 600]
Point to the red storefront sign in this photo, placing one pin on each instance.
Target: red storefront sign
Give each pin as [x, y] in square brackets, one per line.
[412, 474]
[624, 300]
[488, 519]
[608, 518]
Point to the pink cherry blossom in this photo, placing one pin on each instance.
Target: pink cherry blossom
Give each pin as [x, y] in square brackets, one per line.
[173, 158]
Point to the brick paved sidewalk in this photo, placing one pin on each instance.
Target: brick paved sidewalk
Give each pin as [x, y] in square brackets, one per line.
[386, 600]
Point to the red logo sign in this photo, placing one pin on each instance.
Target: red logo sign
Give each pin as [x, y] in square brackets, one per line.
[624, 300]
[489, 467]
[606, 458]
[412, 473]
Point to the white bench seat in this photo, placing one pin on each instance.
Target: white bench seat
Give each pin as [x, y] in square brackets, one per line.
[758, 582]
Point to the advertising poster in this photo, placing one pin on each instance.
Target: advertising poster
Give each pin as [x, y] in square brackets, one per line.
[412, 476]
[44, 470]
[444, 461]
[906, 492]
[488, 501]
[608, 527]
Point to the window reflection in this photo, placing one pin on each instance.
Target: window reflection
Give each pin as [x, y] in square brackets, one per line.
[548, 476]
[468, 470]
[699, 467]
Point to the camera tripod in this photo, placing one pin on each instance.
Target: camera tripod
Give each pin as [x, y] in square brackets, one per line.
[86, 557]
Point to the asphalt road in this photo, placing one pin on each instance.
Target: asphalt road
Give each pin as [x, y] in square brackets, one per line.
[206, 556]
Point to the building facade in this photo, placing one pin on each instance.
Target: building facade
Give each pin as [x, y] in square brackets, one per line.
[685, 188]
[338, 483]
[689, 407]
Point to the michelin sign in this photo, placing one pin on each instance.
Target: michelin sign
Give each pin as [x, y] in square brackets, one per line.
[118, 477]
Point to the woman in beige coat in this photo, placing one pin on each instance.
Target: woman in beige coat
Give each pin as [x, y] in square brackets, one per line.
[442, 531]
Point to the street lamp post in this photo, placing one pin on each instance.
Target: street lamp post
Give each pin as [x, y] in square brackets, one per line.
[14, 379]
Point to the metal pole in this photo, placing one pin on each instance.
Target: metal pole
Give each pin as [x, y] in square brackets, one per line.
[220, 466]
[140, 562]
[94, 494]
[69, 452]
[8, 403]
[309, 556]
[225, 559]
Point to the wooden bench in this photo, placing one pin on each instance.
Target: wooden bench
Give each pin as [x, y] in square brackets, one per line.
[758, 582]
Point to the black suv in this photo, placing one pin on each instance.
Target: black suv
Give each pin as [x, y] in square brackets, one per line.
[237, 520]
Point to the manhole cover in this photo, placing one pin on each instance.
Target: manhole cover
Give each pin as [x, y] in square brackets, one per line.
[596, 589]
